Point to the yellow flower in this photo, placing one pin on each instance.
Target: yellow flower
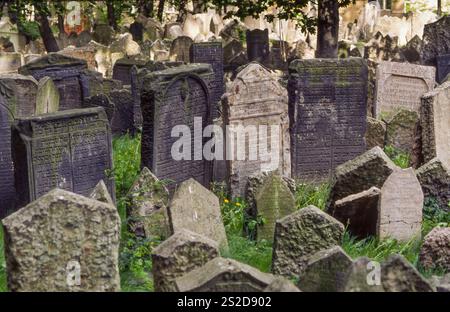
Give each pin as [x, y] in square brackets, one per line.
[226, 201]
[238, 204]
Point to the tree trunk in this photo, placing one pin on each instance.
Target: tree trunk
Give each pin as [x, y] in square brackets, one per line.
[46, 33]
[61, 24]
[111, 14]
[439, 7]
[161, 9]
[327, 29]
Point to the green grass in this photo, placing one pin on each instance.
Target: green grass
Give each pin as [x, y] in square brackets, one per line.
[2, 264]
[398, 157]
[307, 194]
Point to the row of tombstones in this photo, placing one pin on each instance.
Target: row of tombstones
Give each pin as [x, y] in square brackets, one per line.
[80, 238]
[322, 126]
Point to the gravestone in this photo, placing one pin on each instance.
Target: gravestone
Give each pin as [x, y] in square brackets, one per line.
[357, 175]
[87, 53]
[281, 284]
[103, 34]
[178, 255]
[436, 38]
[67, 74]
[63, 242]
[443, 67]
[434, 121]
[400, 206]
[224, 275]
[123, 119]
[435, 250]
[7, 191]
[211, 53]
[398, 275]
[357, 277]
[258, 45]
[70, 150]
[20, 93]
[325, 271]
[274, 200]
[359, 212]
[255, 111]
[122, 68]
[83, 38]
[176, 97]
[101, 100]
[101, 193]
[375, 133]
[327, 112]
[401, 130]
[300, 235]
[401, 85]
[180, 49]
[47, 98]
[197, 209]
[137, 31]
[146, 206]
[434, 177]
[10, 62]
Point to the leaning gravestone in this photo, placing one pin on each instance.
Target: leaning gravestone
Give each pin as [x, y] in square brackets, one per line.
[327, 100]
[254, 105]
[325, 271]
[7, 191]
[178, 255]
[224, 275]
[20, 93]
[258, 45]
[436, 38]
[180, 48]
[47, 98]
[197, 209]
[434, 177]
[63, 242]
[67, 74]
[274, 200]
[176, 97]
[401, 85]
[375, 133]
[434, 121]
[300, 235]
[401, 205]
[146, 206]
[211, 53]
[443, 67]
[70, 150]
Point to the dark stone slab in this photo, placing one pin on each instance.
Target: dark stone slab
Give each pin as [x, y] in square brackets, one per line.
[137, 31]
[443, 67]
[211, 53]
[122, 68]
[327, 110]
[169, 98]
[436, 38]
[67, 74]
[6, 165]
[258, 45]
[70, 150]
[123, 120]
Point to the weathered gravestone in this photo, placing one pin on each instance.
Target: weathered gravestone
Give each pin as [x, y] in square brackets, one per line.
[401, 130]
[281, 284]
[63, 242]
[436, 38]
[258, 45]
[401, 205]
[123, 119]
[20, 93]
[47, 98]
[10, 62]
[327, 112]
[84, 53]
[359, 212]
[325, 271]
[434, 177]
[375, 133]
[7, 191]
[178, 255]
[180, 49]
[83, 38]
[360, 277]
[122, 68]
[224, 275]
[401, 85]
[176, 97]
[398, 275]
[101, 100]
[434, 121]
[101, 193]
[70, 150]
[211, 53]
[435, 250]
[197, 209]
[273, 200]
[255, 112]
[103, 34]
[443, 67]
[146, 206]
[300, 235]
[67, 74]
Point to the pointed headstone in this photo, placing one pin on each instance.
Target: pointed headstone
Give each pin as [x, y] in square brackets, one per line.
[101, 193]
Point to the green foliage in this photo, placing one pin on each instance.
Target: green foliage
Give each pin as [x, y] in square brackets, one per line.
[398, 157]
[308, 194]
[433, 216]
[2, 264]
